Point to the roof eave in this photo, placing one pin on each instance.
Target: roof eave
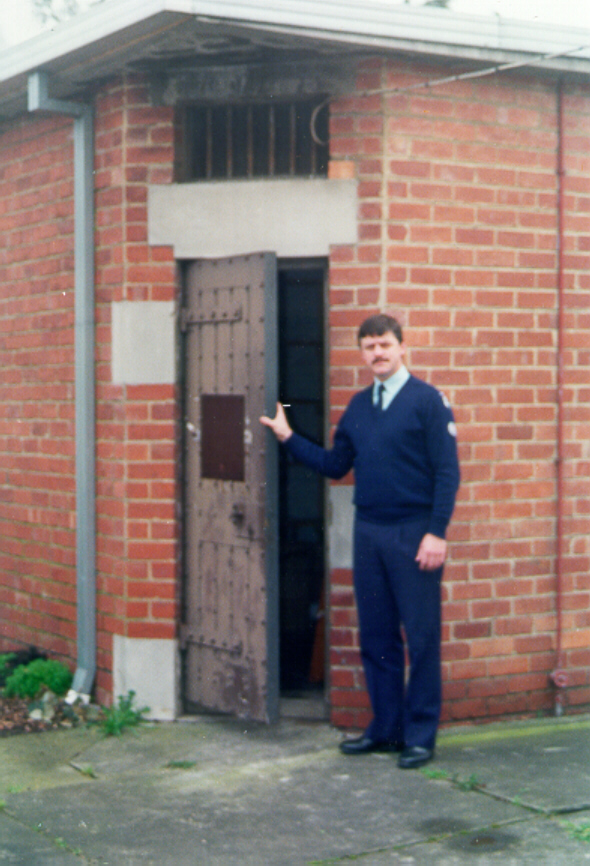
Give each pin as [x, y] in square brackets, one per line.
[113, 35]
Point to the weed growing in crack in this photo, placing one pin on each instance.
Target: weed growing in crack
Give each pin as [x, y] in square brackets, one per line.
[472, 783]
[578, 831]
[122, 715]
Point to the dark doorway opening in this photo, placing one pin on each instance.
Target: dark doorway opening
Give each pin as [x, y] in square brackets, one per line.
[301, 491]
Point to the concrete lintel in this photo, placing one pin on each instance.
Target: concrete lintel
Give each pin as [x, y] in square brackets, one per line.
[293, 218]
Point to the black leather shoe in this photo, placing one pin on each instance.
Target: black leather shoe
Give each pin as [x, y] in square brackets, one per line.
[363, 745]
[414, 756]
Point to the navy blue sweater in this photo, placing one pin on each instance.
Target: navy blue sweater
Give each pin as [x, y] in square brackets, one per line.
[404, 458]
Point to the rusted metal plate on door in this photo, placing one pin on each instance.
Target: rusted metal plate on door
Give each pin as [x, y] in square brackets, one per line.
[222, 436]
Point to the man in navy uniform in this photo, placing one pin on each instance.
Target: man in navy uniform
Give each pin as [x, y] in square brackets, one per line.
[400, 437]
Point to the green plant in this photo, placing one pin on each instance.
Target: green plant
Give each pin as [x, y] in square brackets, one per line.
[31, 680]
[180, 765]
[122, 715]
[63, 845]
[578, 831]
[433, 773]
[470, 784]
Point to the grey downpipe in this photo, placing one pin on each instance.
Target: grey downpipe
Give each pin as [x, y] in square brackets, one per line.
[84, 374]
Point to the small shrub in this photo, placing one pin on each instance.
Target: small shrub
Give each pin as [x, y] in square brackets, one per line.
[30, 681]
[122, 715]
[11, 660]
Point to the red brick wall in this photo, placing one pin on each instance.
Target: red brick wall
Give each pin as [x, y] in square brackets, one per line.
[37, 547]
[458, 234]
[136, 429]
[136, 425]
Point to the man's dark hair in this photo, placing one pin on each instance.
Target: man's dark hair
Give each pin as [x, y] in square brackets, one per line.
[376, 326]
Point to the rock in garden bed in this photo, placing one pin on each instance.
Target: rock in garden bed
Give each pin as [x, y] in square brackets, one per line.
[49, 713]
[14, 718]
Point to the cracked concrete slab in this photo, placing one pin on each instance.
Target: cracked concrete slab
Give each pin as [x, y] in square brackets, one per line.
[220, 791]
[30, 761]
[23, 845]
[541, 766]
[525, 842]
[292, 810]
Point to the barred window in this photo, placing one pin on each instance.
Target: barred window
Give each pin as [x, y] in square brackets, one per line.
[258, 140]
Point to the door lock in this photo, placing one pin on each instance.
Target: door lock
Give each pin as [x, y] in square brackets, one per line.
[238, 515]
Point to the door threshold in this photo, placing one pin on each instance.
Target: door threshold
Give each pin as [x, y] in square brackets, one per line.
[307, 705]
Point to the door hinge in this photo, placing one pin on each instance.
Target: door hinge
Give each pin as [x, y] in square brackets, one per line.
[184, 319]
[190, 319]
[189, 636]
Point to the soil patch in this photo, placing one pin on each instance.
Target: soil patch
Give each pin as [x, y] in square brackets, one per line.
[14, 718]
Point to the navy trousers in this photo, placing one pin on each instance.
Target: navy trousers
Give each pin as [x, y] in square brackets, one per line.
[392, 594]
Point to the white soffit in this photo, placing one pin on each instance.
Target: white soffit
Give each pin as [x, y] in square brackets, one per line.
[111, 36]
[377, 20]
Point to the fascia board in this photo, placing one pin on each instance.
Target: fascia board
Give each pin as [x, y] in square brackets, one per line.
[378, 23]
[380, 19]
[373, 23]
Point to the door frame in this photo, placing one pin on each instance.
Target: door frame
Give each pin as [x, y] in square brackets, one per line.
[271, 528]
[272, 491]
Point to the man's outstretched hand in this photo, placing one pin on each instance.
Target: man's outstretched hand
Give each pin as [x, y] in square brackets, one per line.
[279, 424]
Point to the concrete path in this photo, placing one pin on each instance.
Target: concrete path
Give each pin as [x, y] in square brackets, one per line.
[223, 792]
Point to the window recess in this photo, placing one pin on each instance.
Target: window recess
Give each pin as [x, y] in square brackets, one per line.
[226, 142]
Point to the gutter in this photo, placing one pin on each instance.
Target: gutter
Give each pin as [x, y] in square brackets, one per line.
[38, 100]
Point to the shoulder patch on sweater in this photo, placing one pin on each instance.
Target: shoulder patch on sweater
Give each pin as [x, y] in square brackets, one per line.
[451, 426]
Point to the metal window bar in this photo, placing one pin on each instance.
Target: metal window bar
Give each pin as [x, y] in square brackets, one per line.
[271, 141]
[292, 139]
[209, 143]
[250, 141]
[314, 149]
[254, 141]
[229, 148]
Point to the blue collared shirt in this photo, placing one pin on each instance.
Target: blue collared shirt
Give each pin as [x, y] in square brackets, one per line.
[393, 386]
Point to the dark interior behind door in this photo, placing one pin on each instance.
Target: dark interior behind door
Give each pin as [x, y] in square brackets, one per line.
[301, 501]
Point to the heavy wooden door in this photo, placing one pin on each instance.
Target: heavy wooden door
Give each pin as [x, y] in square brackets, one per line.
[230, 630]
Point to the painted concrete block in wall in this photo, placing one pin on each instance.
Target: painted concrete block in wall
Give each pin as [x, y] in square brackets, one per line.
[143, 343]
[299, 217]
[340, 527]
[150, 668]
